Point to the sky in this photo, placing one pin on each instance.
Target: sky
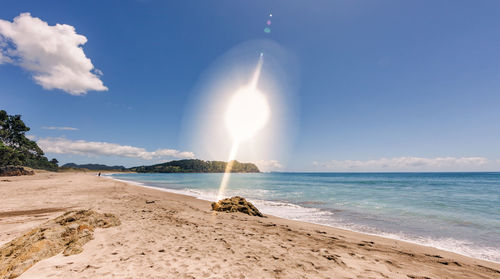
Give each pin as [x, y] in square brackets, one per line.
[379, 85]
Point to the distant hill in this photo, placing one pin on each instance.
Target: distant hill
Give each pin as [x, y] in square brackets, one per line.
[93, 167]
[195, 165]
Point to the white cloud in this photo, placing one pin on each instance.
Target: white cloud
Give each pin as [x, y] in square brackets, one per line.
[53, 54]
[59, 128]
[3, 44]
[405, 164]
[269, 165]
[94, 148]
[98, 72]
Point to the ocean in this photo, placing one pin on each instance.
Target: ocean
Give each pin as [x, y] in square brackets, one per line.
[458, 212]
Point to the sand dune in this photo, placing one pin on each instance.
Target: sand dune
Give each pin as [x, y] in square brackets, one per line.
[179, 237]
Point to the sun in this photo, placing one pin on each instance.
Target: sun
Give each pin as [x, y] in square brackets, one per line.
[248, 112]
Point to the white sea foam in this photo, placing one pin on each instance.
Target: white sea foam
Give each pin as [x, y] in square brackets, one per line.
[462, 247]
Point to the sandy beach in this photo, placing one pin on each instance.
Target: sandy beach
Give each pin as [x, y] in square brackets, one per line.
[166, 235]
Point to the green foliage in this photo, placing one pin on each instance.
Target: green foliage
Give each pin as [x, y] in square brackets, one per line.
[8, 156]
[16, 148]
[195, 165]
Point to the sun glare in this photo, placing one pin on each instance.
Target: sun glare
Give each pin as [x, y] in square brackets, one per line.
[247, 113]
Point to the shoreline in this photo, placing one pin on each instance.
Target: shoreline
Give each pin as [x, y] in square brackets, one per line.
[179, 236]
[391, 237]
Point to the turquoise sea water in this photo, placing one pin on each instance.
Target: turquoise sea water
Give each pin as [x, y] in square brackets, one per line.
[458, 212]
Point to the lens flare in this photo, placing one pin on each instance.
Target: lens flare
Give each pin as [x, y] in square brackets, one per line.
[205, 129]
[248, 112]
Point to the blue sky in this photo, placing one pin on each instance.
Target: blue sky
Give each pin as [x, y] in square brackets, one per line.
[384, 85]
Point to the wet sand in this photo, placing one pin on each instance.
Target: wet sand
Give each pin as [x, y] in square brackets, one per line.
[166, 235]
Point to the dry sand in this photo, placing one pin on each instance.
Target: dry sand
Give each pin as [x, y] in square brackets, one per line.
[179, 237]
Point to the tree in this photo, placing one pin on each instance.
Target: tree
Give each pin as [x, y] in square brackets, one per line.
[16, 148]
[8, 156]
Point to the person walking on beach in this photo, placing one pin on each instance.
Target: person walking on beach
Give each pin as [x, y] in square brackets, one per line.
[99, 174]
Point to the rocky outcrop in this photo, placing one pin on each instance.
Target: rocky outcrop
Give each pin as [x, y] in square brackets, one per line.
[66, 233]
[236, 204]
[14, 171]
